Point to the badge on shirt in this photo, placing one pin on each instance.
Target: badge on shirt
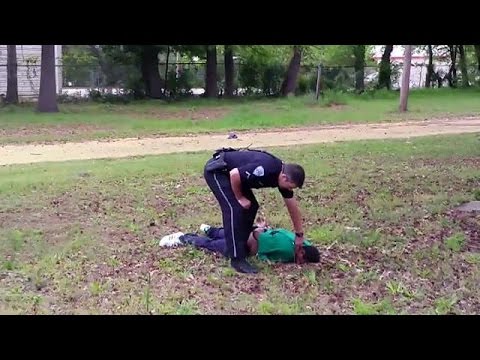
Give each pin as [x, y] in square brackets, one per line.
[259, 171]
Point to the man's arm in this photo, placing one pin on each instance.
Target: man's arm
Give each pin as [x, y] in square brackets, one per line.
[236, 182]
[252, 243]
[295, 214]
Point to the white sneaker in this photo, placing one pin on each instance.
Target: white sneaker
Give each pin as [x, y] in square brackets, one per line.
[171, 240]
[205, 228]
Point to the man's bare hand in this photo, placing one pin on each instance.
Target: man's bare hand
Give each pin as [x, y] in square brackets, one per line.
[245, 203]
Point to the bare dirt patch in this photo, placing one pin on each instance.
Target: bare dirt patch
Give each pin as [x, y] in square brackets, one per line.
[470, 225]
[57, 130]
[22, 154]
[331, 106]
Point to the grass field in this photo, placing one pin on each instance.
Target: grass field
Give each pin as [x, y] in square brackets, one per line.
[152, 118]
[82, 237]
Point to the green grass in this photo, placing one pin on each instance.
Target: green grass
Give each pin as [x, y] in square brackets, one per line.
[149, 118]
[377, 210]
[383, 307]
[455, 242]
[445, 305]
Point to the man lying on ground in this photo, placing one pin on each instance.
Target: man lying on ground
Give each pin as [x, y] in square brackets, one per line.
[274, 245]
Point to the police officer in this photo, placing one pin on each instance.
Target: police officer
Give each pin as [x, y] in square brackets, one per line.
[231, 175]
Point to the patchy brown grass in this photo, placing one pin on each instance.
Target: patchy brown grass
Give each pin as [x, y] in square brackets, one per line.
[381, 213]
[182, 114]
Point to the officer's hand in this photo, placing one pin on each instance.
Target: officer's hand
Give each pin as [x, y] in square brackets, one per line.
[299, 254]
[298, 240]
[245, 203]
[299, 251]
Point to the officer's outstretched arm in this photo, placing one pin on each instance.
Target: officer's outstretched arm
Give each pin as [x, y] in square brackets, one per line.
[295, 214]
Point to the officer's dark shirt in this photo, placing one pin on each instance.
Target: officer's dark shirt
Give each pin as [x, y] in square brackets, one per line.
[257, 169]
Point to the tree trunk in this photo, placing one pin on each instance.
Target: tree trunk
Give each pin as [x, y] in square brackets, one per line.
[289, 84]
[463, 66]
[229, 70]
[452, 72]
[439, 81]
[211, 88]
[166, 72]
[477, 54]
[12, 82]
[47, 99]
[359, 53]
[150, 73]
[430, 69]
[407, 64]
[384, 77]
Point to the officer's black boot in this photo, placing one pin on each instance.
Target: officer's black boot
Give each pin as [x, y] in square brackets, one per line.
[243, 266]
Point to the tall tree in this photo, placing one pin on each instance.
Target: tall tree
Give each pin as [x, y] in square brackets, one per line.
[452, 72]
[150, 71]
[359, 55]
[12, 82]
[463, 66]
[430, 69]
[105, 65]
[166, 71]
[385, 69]
[47, 99]
[211, 88]
[229, 70]
[404, 90]
[145, 58]
[290, 82]
[477, 55]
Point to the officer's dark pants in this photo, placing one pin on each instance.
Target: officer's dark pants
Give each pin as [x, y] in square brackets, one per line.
[237, 221]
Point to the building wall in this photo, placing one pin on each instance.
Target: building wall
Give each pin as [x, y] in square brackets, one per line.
[418, 71]
[28, 70]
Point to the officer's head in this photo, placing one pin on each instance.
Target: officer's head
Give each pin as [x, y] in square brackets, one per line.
[312, 255]
[291, 177]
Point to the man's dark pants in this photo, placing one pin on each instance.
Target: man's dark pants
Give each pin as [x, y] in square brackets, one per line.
[237, 221]
[215, 241]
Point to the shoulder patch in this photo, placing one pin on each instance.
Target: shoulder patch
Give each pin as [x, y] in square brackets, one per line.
[259, 171]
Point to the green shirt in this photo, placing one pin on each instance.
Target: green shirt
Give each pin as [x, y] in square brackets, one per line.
[277, 245]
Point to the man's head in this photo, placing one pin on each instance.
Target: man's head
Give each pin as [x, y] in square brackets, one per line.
[291, 177]
[312, 255]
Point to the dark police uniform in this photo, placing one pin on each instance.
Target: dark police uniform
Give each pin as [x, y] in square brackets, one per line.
[257, 169]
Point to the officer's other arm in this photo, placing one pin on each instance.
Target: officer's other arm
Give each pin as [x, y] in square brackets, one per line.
[295, 214]
[236, 183]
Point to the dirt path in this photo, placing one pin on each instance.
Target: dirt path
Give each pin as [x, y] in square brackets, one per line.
[24, 154]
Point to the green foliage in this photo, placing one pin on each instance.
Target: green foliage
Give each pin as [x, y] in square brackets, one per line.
[264, 75]
[338, 78]
[119, 55]
[313, 55]
[182, 84]
[476, 194]
[307, 83]
[339, 55]
[455, 242]
[265, 54]
[78, 64]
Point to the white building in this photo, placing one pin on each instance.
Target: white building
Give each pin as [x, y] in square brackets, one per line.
[28, 70]
[418, 71]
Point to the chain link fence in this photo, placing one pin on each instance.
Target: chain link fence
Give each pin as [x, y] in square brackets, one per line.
[188, 78]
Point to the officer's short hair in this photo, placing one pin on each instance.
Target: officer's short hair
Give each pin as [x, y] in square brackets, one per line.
[295, 174]
[312, 254]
